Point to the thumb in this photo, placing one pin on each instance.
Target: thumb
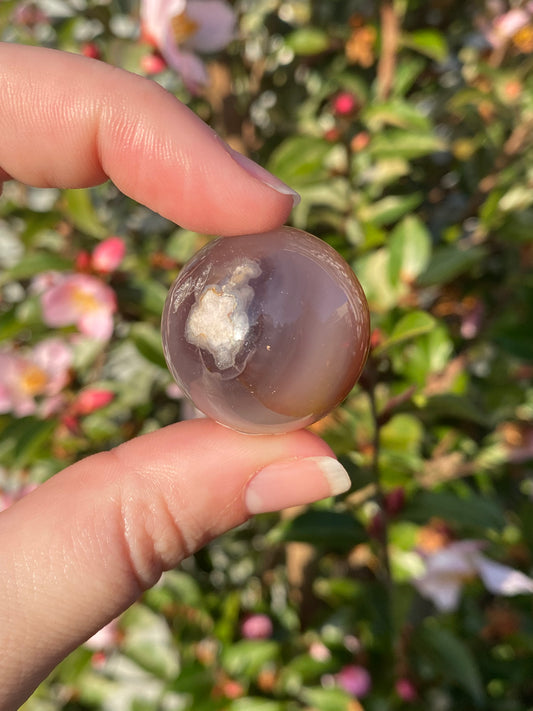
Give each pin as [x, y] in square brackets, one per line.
[83, 546]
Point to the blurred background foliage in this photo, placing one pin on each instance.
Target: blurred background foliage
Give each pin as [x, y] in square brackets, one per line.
[407, 127]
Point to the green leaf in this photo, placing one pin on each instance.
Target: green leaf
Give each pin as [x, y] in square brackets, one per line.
[36, 263]
[149, 643]
[430, 43]
[372, 270]
[303, 668]
[428, 354]
[30, 444]
[147, 340]
[402, 433]
[143, 296]
[307, 41]
[410, 326]
[456, 407]
[23, 440]
[9, 324]
[300, 160]
[472, 511]
[333, 699]
[381, 173]
[330, 529]
[248, 656]
[82, 214]
[6, 12]
[183, 586]
[447, 263]
[251, 703]
[389, 209]
[194, 678]
[407, 73]
[338, 591]
[396, 113]
[410, 250]
[450, 658]
[182, 244]
[396, 143]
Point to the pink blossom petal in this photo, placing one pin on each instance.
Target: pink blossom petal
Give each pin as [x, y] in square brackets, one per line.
[257, 627]
[443, 592]
[446, 572]
[511, 22]
[156, 15]
[92, 399]
[216, 25]
[45, 281]
[191, 67]
[5, 399]
[53, 356]
[107, 256]
[501, 579]
[98, 324]
[212, 28]
[59, 306]
[108, 636]
[81, 300]
[14, 395]
[51, 406]
[355, 679]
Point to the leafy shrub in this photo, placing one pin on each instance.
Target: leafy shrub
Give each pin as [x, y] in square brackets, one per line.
[407, 128]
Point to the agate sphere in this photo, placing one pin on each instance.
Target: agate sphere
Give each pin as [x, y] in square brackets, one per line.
[266, 333]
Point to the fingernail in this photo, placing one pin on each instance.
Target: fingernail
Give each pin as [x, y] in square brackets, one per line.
[261, 174]
[295, 481]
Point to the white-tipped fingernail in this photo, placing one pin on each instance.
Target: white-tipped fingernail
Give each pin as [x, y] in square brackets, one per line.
[263, 175]
[292, 482]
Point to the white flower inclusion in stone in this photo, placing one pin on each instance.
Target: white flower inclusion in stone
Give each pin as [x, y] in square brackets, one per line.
[218, 321]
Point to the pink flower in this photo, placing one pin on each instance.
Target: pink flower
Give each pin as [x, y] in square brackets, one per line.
[153, 63]
[319, 652]
[108, 636]
[8, 498]
[354, 679]
[81, 300]
[449, 568]
[406, 690]
[41, 373]
[92, 399]
[506, 26]
[182, 28]
[29, 14]
[107, 256]
[257, 627]
[345, 103]
[90, 49]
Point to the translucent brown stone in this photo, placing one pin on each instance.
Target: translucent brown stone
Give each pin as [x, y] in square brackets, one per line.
[266, 333]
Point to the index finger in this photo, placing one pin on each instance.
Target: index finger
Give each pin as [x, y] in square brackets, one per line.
[69, 121]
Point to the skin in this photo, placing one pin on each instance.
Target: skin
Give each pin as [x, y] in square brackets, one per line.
[81, 548]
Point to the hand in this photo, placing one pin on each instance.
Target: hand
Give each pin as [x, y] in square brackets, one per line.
[83, 546]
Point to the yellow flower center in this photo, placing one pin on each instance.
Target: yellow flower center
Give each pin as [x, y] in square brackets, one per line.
[183, 27]
[523, 39]
[33, 380]
[85, 301]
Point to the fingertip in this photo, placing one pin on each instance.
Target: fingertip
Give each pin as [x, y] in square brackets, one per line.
[70, 121]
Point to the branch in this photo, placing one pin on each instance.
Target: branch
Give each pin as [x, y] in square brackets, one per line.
[390, 36]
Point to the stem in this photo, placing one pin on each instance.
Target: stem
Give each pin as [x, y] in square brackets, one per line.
[380, 495]
[390, 36]
[390, 643]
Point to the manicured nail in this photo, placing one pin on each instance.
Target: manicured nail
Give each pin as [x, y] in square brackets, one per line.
[295, 481]
[261, 174]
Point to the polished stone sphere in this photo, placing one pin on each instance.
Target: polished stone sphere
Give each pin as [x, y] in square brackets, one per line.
[266, 333]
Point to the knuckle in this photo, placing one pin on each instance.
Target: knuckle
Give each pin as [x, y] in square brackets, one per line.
[152, 537]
